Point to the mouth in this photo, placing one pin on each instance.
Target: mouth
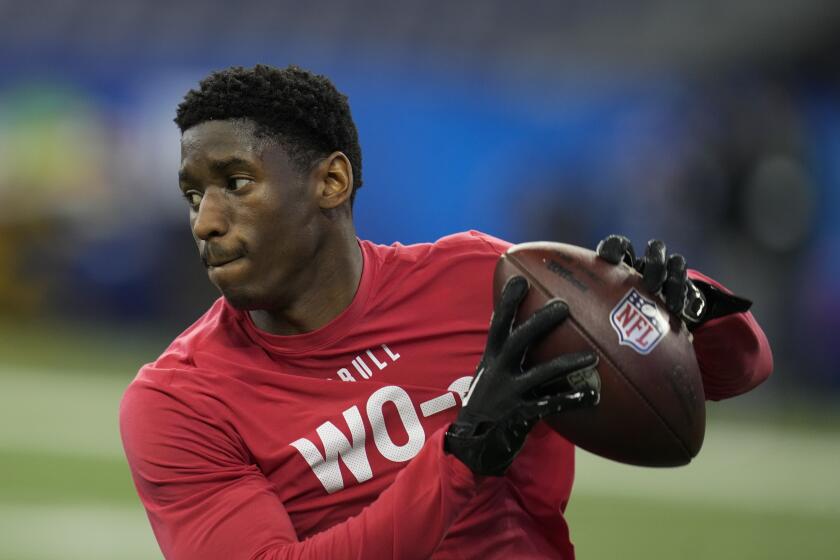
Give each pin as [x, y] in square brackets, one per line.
[216, 257]
[227, 271]
[219, 263]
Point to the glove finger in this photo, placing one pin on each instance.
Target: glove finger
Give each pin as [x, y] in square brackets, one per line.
[503, 316]
[654, 269]
[615, 248]
[560, 402]
[557, 368]
[676, 286]
[532, 329]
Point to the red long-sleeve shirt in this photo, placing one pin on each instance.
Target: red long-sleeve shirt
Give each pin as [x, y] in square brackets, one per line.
[246, 445]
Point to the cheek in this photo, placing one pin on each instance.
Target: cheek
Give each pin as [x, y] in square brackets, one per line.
[283, 228]
[296, 242]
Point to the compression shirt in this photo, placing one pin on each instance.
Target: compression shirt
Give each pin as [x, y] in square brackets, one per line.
[328, 444]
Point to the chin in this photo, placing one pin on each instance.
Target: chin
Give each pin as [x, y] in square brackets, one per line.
[237, 302]
[243, 302]
[246, 295]
[242, 299]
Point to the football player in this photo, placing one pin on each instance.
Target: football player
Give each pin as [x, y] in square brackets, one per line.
[344, 399]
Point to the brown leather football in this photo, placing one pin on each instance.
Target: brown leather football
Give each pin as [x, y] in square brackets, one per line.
[652, 409]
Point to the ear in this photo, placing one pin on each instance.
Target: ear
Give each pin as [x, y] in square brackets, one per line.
[335, 180]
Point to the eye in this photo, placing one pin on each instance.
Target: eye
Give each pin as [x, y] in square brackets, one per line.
[236, 183]
[193, 198]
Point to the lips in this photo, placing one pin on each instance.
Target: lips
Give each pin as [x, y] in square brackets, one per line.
[216, 259]
[216, 263]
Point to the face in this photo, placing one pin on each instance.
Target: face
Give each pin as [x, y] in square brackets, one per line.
[255, 218]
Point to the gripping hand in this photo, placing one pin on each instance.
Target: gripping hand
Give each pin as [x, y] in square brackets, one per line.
[695, 301]
[504, 402]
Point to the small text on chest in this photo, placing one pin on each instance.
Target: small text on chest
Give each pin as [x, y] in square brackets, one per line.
[367, 363]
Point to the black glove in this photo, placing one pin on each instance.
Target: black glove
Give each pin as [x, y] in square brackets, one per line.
[695, 301]
[503, 402]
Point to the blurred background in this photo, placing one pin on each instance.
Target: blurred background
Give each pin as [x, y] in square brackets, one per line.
[712, 124]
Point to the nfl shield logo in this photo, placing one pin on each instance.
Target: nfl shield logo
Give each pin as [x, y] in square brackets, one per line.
[638, 322]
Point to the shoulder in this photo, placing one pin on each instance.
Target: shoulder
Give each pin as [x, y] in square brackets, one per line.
[472, 241]
[186, 373]
[157, 398]
[464, 255]
[455, 270]
[217, 332]
[467, 244]
[167, 412]
[183, 383]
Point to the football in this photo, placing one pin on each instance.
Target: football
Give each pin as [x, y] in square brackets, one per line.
[652, 407]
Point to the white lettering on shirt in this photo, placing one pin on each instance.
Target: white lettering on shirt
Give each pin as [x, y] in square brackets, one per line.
[391, 355]
[345, 375]
[363, 369]
[447, 400]
[405, 409]
[377, 363]
[354, 456]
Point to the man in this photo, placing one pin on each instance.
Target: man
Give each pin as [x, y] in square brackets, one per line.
[325, 406]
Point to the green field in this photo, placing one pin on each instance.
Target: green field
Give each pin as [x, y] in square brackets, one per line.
[759, 490]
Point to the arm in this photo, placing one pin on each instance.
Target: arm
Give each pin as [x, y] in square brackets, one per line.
[732, 350]
[206, 501]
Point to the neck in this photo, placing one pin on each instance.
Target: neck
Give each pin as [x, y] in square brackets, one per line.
[327, 288]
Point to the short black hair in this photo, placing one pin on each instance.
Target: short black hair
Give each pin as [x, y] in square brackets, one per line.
[302, 111]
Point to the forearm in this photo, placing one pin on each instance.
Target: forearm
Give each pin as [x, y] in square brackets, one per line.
[205, 503]
[408, 520]
[732, 351]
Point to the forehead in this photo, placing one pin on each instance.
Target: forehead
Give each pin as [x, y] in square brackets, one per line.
[215, 140]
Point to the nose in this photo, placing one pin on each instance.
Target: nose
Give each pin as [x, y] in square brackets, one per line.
[211, 219]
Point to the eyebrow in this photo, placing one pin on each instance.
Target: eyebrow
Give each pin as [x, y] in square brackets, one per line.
[222, 164]
[219, 165]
